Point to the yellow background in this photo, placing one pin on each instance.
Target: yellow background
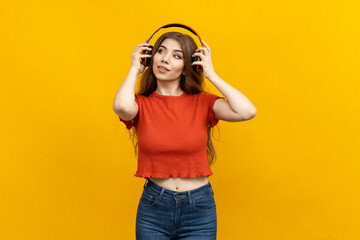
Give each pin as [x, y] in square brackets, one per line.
[67, 165]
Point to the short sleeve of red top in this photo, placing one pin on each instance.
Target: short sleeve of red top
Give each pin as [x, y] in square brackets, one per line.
[172, 134]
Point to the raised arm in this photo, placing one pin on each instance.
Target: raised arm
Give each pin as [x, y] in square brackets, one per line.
[124, 104]
[237, 107]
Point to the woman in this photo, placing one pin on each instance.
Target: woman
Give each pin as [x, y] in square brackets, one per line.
[172, 117]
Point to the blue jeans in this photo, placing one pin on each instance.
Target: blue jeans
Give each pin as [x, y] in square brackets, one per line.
[164, 214]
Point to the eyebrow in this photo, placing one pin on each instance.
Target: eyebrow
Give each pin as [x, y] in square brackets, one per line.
[176, 50]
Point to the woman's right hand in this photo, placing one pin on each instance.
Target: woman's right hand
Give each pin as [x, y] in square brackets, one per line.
[136, 55]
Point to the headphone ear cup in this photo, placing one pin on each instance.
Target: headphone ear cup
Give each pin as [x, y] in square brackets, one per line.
[196, 67]
[146, 61]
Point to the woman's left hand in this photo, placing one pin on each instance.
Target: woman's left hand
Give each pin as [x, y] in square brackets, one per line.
[205, 60]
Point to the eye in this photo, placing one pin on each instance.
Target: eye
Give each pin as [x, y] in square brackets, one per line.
[178, 56]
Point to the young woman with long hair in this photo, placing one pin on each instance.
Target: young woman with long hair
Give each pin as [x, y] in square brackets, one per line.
[171, 118]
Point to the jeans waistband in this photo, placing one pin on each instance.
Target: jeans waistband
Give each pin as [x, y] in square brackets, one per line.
[174, 194]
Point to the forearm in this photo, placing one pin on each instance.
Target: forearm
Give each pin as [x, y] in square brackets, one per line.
[238, 102]
[125, 95]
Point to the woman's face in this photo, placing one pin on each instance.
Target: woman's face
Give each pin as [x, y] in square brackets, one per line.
[170, 56]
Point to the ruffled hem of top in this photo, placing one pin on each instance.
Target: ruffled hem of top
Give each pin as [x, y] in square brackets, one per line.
[145, 175]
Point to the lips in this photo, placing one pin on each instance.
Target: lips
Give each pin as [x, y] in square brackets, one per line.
[163, 67]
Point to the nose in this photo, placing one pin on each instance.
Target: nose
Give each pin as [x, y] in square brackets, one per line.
[165, 58]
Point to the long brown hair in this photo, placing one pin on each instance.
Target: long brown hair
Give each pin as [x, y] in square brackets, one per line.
[191, 82]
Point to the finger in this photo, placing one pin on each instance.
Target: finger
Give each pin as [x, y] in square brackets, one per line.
[198, 54]
[139, 46]
[197, 63]
[205, 44]
[142, 44]
[145, 48]
[143, 55]
[203, 49]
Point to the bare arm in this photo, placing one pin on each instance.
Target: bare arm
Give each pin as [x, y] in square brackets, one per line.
[237, 107]
[124, 104]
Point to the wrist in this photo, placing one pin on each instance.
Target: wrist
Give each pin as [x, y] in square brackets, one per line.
[212, 76]
[134, 70]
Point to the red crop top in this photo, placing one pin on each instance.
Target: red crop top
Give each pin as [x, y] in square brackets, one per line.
[172, 134]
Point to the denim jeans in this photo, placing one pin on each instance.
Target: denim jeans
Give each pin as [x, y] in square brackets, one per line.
[164, 214]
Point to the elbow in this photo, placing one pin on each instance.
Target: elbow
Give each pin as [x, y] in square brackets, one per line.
[116, 106]
[118, 109]
[125, 112]
[252, 114]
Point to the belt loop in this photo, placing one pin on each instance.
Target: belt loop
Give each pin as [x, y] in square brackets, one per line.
[161, 193]
[212, 190]
[189, 196]
[145, 183]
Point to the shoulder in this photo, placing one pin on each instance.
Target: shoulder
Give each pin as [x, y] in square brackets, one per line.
[210, 97]
[206, 95]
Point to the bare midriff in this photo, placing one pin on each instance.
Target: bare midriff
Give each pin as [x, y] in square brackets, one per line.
[181, 184]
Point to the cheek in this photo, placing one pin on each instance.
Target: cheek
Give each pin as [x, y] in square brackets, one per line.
[155, 60]
[180, 65]
[155, 57]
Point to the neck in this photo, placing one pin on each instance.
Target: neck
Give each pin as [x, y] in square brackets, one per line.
[169, 92]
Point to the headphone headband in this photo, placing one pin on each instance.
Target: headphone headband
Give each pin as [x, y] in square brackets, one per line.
[177, 25]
